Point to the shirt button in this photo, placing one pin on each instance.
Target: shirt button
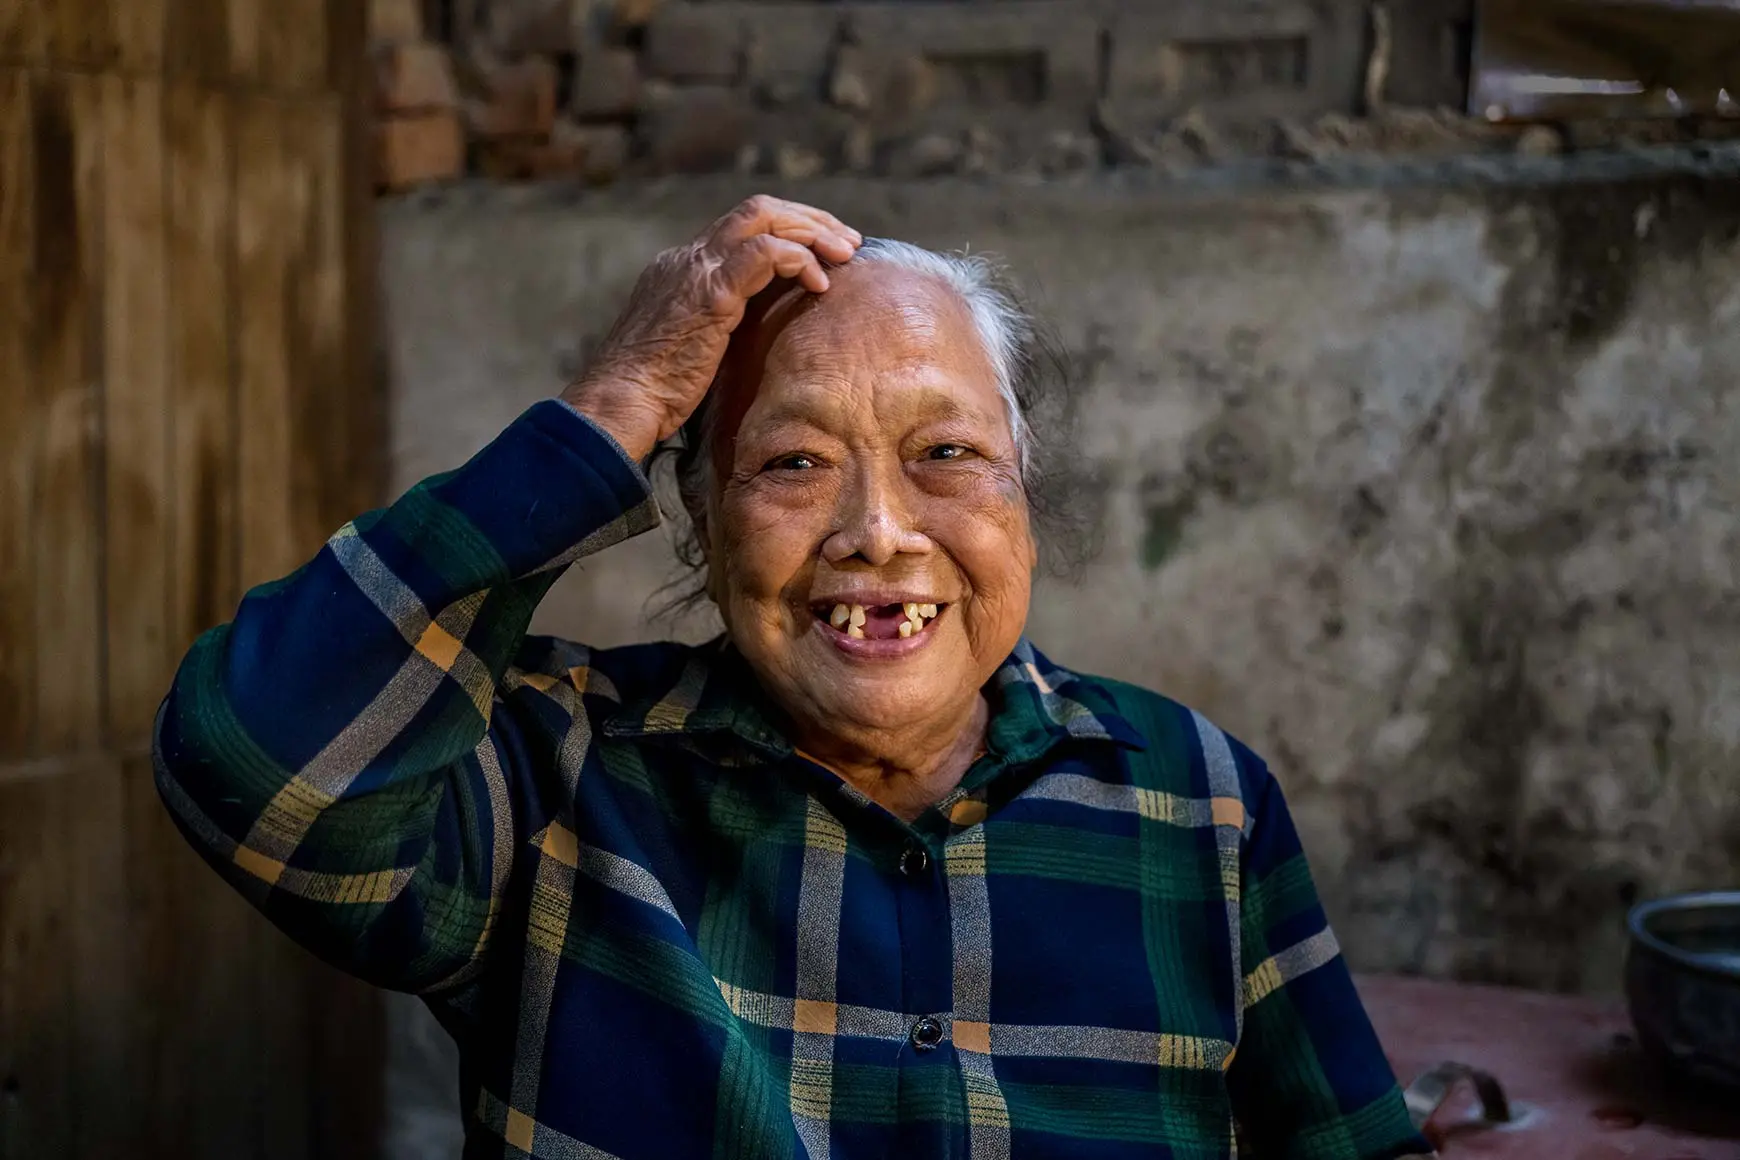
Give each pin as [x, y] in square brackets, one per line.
[914, 861]
[926, 1033]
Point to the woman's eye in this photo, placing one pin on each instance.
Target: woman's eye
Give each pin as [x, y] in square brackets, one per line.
[946, 451]
[797, 461]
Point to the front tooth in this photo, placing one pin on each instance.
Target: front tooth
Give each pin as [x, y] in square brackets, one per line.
[855, 633]
[905, 629]
[858, 616]
[840, 616]
[928, 611]
[911, 611]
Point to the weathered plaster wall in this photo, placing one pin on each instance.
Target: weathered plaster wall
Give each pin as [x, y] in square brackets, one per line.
[1426, 493]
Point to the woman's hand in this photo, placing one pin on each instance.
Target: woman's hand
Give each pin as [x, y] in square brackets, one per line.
[663, 352]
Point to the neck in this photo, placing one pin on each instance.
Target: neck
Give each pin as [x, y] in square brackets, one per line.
[908, 772]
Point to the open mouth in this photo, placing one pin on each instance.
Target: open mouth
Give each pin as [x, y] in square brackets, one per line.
[878, 621]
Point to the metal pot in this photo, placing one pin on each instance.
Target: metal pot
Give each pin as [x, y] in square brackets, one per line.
[1682, 978]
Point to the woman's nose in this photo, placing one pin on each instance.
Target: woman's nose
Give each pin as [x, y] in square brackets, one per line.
[876, 520]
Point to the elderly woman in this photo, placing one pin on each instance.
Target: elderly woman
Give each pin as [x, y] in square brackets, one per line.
[867, 876]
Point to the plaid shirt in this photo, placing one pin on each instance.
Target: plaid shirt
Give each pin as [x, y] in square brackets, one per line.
[658, 931]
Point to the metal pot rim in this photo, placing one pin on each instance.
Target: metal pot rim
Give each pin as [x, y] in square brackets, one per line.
[1720, 966]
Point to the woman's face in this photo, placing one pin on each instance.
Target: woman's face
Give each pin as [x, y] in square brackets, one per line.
[864, 463]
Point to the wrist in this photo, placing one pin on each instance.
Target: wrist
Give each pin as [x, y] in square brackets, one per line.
[635, 431]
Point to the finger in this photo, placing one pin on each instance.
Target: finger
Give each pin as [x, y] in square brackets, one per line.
[834, 246]
[758, 261]
[763, 214]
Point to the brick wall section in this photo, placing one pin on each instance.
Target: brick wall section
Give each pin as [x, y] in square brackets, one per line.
[600, 89]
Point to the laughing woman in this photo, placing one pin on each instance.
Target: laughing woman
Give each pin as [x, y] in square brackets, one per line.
[867, 876]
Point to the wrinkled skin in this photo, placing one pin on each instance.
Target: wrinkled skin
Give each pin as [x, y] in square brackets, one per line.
[862, 449]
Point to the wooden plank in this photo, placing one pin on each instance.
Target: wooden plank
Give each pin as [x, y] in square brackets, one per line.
[245, 22]
[197, 41]
[21, 32]
[296, 45]
[270, 198]
[348, 1021]
[325, 397]
[18, 422]
[80, 33]
[36, 1054]
[91, 856]
[204, 585]
[139, 27]
[271, 211]
[365, 378]
[137, 408]
[67, 119]
[192, 951]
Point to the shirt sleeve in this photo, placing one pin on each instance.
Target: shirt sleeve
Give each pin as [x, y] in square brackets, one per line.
[340, 751]
[1309, 1080]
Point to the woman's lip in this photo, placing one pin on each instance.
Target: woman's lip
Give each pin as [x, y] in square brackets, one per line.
[876, 600]
[874, 650]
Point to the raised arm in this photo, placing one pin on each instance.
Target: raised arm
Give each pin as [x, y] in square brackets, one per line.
[346, 752]
[1309, 1080]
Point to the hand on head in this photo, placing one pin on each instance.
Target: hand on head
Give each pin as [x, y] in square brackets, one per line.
[663, 352]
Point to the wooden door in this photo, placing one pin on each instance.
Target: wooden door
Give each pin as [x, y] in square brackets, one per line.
[187, 407]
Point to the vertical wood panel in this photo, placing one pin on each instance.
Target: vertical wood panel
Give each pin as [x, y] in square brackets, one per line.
[183, 298]
[18, 426]
[204, 585]
[67, 112]
[270, 198]
[103, 1090]
[294, 40]
[21, 30]
[322, 387]
[139, 31]
[197, 40]
[272, 204]
[245, 22]
[80, 32]
[36, 1053]
[197, 1044]
[136, 404]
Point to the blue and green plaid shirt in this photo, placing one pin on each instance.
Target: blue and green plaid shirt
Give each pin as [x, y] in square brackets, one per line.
[657, 931]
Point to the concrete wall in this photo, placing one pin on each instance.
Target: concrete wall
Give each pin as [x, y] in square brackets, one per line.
[1425, 492]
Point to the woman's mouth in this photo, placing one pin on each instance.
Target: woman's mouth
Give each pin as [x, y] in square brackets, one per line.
[878, 621]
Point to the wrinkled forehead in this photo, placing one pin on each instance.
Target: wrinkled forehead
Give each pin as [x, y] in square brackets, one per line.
[875, 323]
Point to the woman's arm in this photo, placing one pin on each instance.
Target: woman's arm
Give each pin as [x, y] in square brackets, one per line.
[340, 751]
[344, 752]
[1309, 1079]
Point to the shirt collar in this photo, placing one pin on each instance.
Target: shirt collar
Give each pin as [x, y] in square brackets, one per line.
[1035, 706]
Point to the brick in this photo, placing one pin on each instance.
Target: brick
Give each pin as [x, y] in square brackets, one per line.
[893, 87]
[626, 15]
[538, 27]
[521, 101]
[788, 49]
[606, 83]
[603, 148]
[414, 78]
[701, 43]
[395, 21]
[595, 154]
[419, 148]
[696, 130]
[1031, 51]
[1242, 59]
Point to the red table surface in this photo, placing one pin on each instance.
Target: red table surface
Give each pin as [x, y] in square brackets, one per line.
[1579, 1087]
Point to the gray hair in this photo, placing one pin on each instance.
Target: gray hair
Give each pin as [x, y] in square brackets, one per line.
[1029, 374]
